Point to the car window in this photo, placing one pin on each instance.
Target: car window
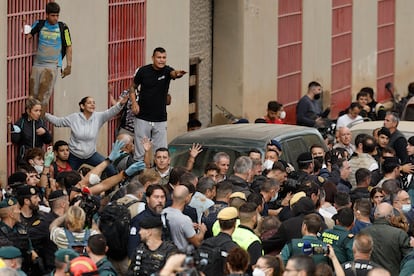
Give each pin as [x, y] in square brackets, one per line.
[294, 146]
[179, 156]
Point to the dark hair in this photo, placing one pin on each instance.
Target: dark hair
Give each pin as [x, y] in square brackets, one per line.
[210, 167]
[359, 138]
[368, 144]
[353, 105]
[193, 123]
[313, 223]
[411, 89]
[159, 50]
[68, 179]
[362, 174]
[368, 90]
[254, 150]
[323, 269]
[227, 224]
[274, 106]
[363, 206]
[345, 216]
[362, 94]
[304, 262]
[255, 198]
[34, 152]
[309, 187]
[313, 84]
[374, 191]
[390, 186]
[223, 188]
[82, 102]
[176, 174]
[330, 191]
[342, 199]
[152, 188]
[162, 149]
[248, 207]
[97, 244]
[274, 262]
[238, 259]
[58, 144]
[52, 7]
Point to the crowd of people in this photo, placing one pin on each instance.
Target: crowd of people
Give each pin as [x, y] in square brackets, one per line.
[346, 209]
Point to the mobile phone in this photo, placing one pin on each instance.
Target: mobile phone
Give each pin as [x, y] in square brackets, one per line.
[124, 93]
[49, 148]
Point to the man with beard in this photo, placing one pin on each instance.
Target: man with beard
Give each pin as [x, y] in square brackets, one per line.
[40, 234]
[151, 254]
[156, 197]
[12, 233]
[308, 109]
[28, 198]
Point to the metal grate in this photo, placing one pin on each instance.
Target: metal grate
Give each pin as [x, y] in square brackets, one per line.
[385, 47]
[341, 56]
[289, 72]
[126, 48]
[20, 52]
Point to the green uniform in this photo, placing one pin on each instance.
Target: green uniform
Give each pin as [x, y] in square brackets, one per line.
[341, 240]
[105, 268]
[295, 247]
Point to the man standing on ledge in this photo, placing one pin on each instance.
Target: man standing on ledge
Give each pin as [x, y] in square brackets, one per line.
[308, 109]
[53, 45]
[152, 81]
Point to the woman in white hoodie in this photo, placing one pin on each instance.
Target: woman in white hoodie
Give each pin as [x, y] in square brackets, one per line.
[85, 126]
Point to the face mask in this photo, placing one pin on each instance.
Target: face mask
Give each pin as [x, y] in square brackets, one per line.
[94, 179]
[38, 168]
[406, 208]
[274, 198]
[258, 272]
[317, 97]
[282, 115]
[268, 164]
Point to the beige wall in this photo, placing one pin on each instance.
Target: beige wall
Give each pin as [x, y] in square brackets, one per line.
[316, 46]
[404, 45]
[3, 90]
[244, 56]
[364, 45]
[90, 62]
[168, 26]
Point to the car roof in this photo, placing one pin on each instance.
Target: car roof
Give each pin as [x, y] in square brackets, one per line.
[254, 133]
[406, 127]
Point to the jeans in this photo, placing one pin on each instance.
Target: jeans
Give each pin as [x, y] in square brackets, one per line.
[94, 160]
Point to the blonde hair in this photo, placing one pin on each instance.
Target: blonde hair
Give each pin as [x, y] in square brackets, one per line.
[75, 219]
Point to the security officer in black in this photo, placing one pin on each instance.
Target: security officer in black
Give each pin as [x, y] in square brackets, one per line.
[28, 198]
[12, 233]
[227, 219]
[340, 236]
[152, 253]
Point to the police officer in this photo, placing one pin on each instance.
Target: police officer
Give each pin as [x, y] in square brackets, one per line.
[12, 258]
[152, 252]
[12, 233]
[39, 232]
[28, 198]
[62, 258]
[340, 236]
[309, 244]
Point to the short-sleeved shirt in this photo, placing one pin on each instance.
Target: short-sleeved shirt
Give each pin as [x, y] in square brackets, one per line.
[49, 46]
[181, 228]
[154, 85]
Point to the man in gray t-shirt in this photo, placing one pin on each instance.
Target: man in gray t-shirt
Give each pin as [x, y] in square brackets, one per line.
[182, 230]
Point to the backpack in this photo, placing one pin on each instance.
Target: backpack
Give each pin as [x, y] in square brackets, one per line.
[62, 28]
[114, 224]
[211, 257]
[78, 246]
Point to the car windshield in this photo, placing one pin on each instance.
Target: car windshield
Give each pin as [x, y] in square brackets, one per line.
[179, 155]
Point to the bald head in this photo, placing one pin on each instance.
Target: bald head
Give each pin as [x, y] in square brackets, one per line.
[383, 210]
[180, 193]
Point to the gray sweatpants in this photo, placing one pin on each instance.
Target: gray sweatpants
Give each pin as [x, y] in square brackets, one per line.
[156, 131]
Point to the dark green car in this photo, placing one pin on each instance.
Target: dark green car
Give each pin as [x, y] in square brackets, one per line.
[238, 139]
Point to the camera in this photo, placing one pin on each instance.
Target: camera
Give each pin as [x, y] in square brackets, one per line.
[323, 250]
